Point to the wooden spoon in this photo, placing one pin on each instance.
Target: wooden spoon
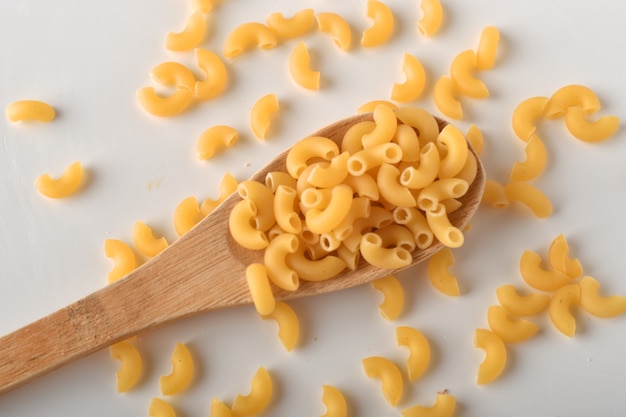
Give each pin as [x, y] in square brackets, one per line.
[203, 270]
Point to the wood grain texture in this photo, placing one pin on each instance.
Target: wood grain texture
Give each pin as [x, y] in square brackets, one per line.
[202, 271]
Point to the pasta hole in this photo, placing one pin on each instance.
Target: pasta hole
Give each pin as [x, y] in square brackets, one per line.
[459, 189]
[406, 176]
[310, 198]
[401, 215]
[455, 237]
[427, 203]
[294, 221]
[393, 153]
[309, 237]
[403, 254]
[243, 191]
[373, 239]
[423, 240]
[356, 166]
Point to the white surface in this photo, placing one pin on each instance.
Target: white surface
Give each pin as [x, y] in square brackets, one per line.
[89, 58]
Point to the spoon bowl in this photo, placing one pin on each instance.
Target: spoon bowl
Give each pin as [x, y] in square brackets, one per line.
[203, 270]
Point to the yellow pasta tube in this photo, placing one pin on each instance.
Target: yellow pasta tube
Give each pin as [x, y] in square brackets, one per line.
[259, 286]
[297, 25]
[306, 149]
[521, 305]
[239, 224]
[334, 401]
[30, 110]
[382, 28]
[475, 137]
[182, 373]
[320, 269]
[216, 75]
[419, 350]
[427, 170]
[423, 121]
[559, 308]
[364, 186]
[214, 139]
[329, 175]
[386, 124]
[387, 258]
[530, 196]
[288, 324]
[389, 375]
[495, 356]
[275, 260]
[249, 35]
[444, 407]
[338, 28]
[219, 409]
[406, 138]
[131, 365]
[445, 98]
[525, 115]
[539, 278]
[453, 140]
[186, 215]
[495, 195]
[122, 255]
[191, 36]
[388, 180]
[284, 209]
[569, 96]
[325, 220]
[439, 273]
[461, 72]
[416, 222]
[259, 397]
[145, 242]
[487, 47]
[228, 185]
[371, 105]
[67, 184]
[160, 408]
[263, 200]
[275, 179]
[443, 230]
[300, 70]
[373, 157]
[393, 294]
[597, 305]
[261, 115]
[590, 131]
[164, 106]
[558, 255]
[432, 17]
[509, 330]
[533, 166]
[414, 83]
[441, 190]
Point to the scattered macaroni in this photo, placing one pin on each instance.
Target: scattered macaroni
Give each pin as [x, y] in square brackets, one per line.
[259, 397]
[558, 255]
[393, 294]
[122, 255]
[389, 375]
[191, 36]
[419, 350]
[561, 301]
[495, 195]
[590, 131]
[30, 110]
[509, 330]
[382, 28]
[521, 305]
[299, 68]
[145, 242]
[186, 215]
[530, 196]
[131, 365]
[415, 80]
[445, 98]
[439, 273]
[495, 356]
[228, 185]
[525, 115]
[334, 401]
[168, 74]
[261, 115]
[475, 137]
[182, 373]
[219, 409]
[64, 186]
[214, 139]
[597, 305]
[216, 75]
[487, 47]
[432, 17]
[461, 71]
[160, 408]
[533, 166]
[288, 324]
[247, 36]
[569, 96]
[444, 407]
[337, 26]
[297, 25]
[539, 278]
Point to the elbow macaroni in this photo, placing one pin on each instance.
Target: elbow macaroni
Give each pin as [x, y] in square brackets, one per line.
[131, 365]
[525, 115]
[145, 242]
[299, 68]
[64, 186]
[495, 356]
[415, 80]
[261, 115]
[214, 139]
[393, 294]
[533, 166]
[247, 36]
[337, 26]
[487, 47]
[182, 372]
[334, 401]
[260, 290]
[530, 196]
[419, 350]
[186, 215]
[509, 330]
[122, 255]
[382, 28]
[521, 305]
[539, 278]
[191, 36]
[439, 273]
[569, 96]
[445, 98]
[297, 25]
[288, 324]
[558, 255]
[597, 305]
[461, 73]
[389, 375]
[160, 408]
[559, 308]
[216, 75]
[432, 17]
[590, 131]
[30, 110]
[259, 397]
[444, 407]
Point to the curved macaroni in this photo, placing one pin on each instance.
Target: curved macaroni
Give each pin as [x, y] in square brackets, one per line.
[334, 401]
[426, 172]
[445, 98]
[561, 302]
[444, 407]
[160, 408]
[487, 47]
[263, 200]
[299, 68]
[382, 28]
[525, 115]
[145, 242]
[416, 222]
[284, 209]
[389, 375]
[321, 269]
[419, 350]
[131, 365]
[475, 137]
[439, 273]
[539, 278]
[432, 17]
[509, 330]
[228, 185]
[530, 196]
[191, 36]
[30, 110]
[186, 215]
[387, 258]
[288, 324]
[182, 372]
[329, 175]
[393, 294]
[307, 148]
[533, 166]
[275, 179]
[215, 73]
[371, 105]
[495, 356]
[590, 131]
[420, 119]
[275, 260]
[390, 188]
[219, 409]
[337, 26]
[263, 110]
[415, 80]
[495, 195]
[326, 219]
[241, 229]
[373, 157]
[214, 139]
[406, 138]
[597, 305]
[260, 290]
[439, 191]
[67, 184]
[205, 5]
[521, 305]
[461, 72]
[122, 255]
[443, 230]
[249, 35]
[297, 25]
[569, 96]
[259, 397]
[558, 255]
[386, 125]
[168, 74]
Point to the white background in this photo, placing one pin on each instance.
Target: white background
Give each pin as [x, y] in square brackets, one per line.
[89, 58]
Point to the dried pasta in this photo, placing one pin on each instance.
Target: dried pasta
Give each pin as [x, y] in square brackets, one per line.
[66, 185]
[444, 407]
[535, 162]
[444, 94]
[182, 373]
[558, 255]
[288, 324]
[596, 304]
[259, 397]
[145, 242]
[393, 294]
[439, 273]
[521, 305]
[530, 196]
[495, 195]
[262, 114]
[215, 73]
[219, 409]
[569, 96]
[495, 356]
[191, 36]
[168, 74]
[30, 110]
[461, 72]
[389, 375]
[415, 80]
[590, 131]
[228, 185]
[509, 330]
[214, 139]
[186, 215]
[299, 68]
[131, 365]
[419, 350]
[432, 17]
[337, 27]
[487, 47]
[247, 36]
[334, 401]
[525, 115]
[539, 278]
[122, 255]
[297, 25]
[559, 308]
[382, 28]
[160, 408]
